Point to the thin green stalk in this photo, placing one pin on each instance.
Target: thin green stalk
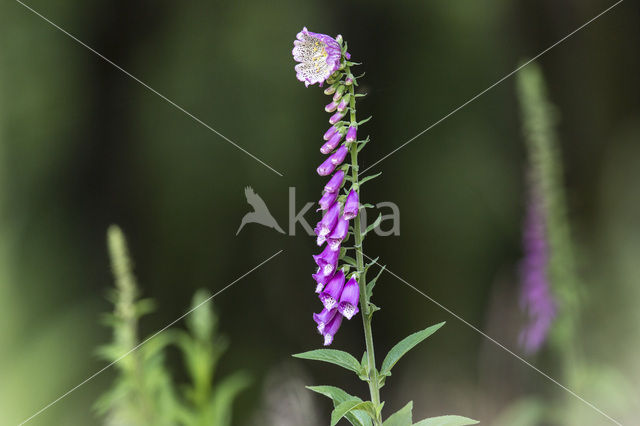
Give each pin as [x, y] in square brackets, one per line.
[374, 389]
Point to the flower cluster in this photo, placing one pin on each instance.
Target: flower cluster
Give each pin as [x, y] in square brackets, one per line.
[324, 59]
[535, 298]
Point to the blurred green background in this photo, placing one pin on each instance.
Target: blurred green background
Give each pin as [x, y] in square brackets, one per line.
[82, 146]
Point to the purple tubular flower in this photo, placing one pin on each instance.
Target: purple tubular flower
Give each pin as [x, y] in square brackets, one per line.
[348, 305]
[331, 106]
[338, 234]
[351, 134]
[327, 261]
[337, 117]
[332, 292]
[326, 168]
[321, 281]
[327, 200]
[344, 103]
[323, 318]
[318, 55]
[338, 157]
[351, 205]
[335, 183]
[331, 328]
[329, 133]
[328, 222]
[332, 143]
[535, 296]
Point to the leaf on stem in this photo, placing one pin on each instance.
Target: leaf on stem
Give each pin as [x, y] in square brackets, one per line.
[404, 346]
[402, 417]
[368, 178]
[332, 356]
[371, 284]
[446, 421]
[338, 396]
[373, 225]
[351, 405]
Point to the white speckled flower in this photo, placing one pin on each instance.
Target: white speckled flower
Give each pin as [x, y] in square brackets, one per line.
[319, 56]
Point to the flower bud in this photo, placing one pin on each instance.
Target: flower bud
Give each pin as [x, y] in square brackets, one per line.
[351, 205]
[326, 168]
[344, 103]
[327, 200]
[338, 93]
[331, 106]
[332, 143]
[332, 130]
[330, 90]
[338, 157]
[335, 182]
[337, 116]
[351, 134]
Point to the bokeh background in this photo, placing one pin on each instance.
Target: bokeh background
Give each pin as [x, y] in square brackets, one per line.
[82, 146]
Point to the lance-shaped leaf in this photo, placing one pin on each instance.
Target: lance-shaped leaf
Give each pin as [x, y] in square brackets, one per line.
[402, 417]
[349, 406]
[372, 283]
[404, 346]
[338, 396]
[333, 356]
[374, 224]
[447, 421]
[368, 178]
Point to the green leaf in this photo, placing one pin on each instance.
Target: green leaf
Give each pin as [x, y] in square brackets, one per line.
[332, 356]
[402, 417]
[447, 421]
[350, 261]
[404, 346]
[368, 178]
[351, 405]
[338, 396]
[372, 283]
[374, 224]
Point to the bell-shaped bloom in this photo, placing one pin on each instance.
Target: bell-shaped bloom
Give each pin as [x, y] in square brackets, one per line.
[338, 157]
[328, 222]
[327, 200]
[326, 168]
[327, 261]
[348, 305]
[321, 281]
[330, 132]
[332, 143]
[351, 134]
[324, 318]
[351, 205]
[339, 233]
[335, 183]
[332, 291]
[331, 106]
[337, 117]
[331, 328]
[319, 56]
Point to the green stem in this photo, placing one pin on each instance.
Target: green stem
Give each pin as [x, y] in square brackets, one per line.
[374, 389]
